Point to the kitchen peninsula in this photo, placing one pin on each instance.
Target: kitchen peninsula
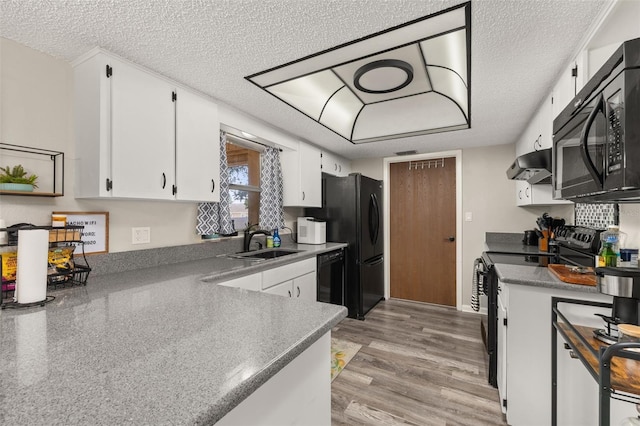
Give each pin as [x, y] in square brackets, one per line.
[524, 340]
[167, 345]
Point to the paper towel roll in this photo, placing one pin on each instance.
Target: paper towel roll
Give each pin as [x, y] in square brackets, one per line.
[31, 273]
[4, 237]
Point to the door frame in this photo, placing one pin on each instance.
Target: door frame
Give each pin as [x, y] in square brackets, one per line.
[457, 154]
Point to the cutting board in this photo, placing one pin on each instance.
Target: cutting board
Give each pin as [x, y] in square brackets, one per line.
[566, 275]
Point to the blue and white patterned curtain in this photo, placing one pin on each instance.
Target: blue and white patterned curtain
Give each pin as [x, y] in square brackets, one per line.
[271, 212]
[215, 218]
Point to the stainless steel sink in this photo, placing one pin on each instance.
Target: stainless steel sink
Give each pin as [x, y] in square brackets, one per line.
[264, 254]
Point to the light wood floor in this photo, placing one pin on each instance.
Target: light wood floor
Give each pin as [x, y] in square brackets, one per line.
[419, 364]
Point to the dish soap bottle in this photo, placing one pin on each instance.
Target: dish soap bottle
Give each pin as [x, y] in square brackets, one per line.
[610, 247]
[276, 238]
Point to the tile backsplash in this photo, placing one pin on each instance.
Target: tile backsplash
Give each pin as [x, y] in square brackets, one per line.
[597, 216]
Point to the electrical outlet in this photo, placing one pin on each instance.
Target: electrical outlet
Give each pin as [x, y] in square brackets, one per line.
[140, 235]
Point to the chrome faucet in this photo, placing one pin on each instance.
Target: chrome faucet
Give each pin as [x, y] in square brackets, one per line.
[248, 235]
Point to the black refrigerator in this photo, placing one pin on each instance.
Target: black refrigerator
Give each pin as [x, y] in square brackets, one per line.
[352, 207]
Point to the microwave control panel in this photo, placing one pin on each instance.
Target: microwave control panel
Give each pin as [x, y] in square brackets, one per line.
[614, 133]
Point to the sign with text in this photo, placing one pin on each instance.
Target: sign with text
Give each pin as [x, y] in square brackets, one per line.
[95, 234]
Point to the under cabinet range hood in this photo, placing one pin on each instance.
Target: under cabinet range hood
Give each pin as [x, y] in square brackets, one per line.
[534, 167]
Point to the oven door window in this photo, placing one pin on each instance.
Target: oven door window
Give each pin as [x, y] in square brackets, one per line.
[572, 176]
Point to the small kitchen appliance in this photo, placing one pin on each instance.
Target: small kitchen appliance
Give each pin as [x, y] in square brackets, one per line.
[530, 238]
[624, 285]
[312, 230]
[596, 154]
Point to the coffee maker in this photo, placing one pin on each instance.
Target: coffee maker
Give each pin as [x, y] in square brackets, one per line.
[624, 285]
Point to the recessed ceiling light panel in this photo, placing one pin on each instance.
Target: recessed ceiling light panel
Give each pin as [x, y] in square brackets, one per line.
[406, 81]
[384, 76]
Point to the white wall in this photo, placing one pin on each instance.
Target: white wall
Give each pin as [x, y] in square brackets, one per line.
[489, 196]
[371, 167]
[37, 111]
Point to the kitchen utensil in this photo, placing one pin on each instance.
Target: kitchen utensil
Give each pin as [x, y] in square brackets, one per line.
[530, 237]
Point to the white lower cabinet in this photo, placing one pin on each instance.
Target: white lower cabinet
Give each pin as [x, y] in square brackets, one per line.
[525, 360]
[299, 394]
[303, 287]
[248, 282]
[283, 289]
[296, 280]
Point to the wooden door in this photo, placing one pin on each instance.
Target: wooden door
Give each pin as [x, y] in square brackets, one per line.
[423, 230]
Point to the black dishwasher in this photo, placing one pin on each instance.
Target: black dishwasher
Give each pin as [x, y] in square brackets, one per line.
[330, 271]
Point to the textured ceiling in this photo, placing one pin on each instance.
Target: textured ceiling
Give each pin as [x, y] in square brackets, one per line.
[518, 48]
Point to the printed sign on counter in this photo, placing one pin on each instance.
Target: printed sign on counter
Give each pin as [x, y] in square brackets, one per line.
[95, 234]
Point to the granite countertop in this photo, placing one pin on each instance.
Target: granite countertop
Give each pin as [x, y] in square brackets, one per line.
[162, 345]
[537, 276]
[513, 248]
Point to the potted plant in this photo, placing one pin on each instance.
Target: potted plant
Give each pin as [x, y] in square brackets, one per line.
[16, 179]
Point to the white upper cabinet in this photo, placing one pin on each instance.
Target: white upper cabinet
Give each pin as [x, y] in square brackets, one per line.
[302, 177]
[335, 165]
[133, 139]
[537, 136]
[197, 148]
[572, 79]
[142, 134]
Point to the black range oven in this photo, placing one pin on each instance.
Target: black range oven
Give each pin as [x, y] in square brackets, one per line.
[574, 245]
[487, 281]
[577, 245]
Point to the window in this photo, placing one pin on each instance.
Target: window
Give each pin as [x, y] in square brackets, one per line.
[244, 182]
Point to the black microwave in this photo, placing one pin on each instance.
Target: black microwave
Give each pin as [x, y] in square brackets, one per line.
[596, 138]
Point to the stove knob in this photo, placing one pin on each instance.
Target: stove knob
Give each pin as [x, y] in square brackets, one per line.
[588, 238]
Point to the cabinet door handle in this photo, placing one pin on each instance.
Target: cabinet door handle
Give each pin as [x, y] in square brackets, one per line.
[213, 185]
[289, 291]
[302, 195]
[340, 167]
[526, 192]
[164, 180]
[520, 194]
[298, 287]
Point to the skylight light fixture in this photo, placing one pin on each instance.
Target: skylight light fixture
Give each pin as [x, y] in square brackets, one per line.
[410, 80]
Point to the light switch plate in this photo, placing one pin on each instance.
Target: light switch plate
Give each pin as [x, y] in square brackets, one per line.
[141, 235]
[468, 216]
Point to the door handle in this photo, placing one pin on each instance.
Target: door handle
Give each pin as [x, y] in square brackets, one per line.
[289, 291]
[451, 238]
[164, 180]
[584, 139]
[213, 185]
[298, 287]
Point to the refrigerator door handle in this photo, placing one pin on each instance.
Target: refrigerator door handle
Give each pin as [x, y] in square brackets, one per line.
[374, 224]
[375, 262]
